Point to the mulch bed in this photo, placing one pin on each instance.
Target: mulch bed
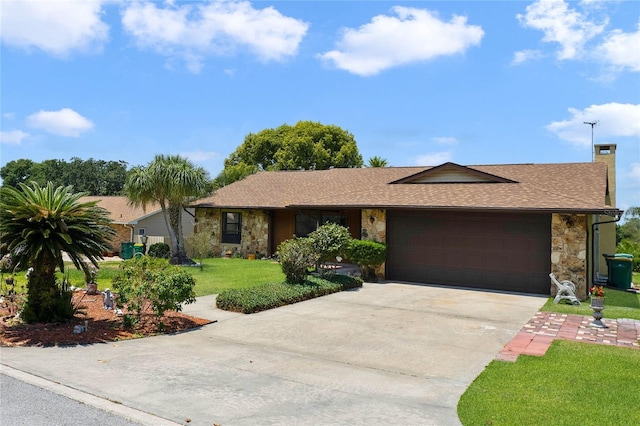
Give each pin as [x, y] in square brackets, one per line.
[102, 326]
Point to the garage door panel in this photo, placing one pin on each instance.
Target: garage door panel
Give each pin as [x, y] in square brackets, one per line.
[485, 250]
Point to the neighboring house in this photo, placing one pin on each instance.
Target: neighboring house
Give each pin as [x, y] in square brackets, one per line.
[500, 227]
[131, 223]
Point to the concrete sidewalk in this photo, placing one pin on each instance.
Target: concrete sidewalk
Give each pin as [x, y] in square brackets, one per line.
[391, 353]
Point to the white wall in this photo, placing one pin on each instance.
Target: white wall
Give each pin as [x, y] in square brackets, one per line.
[155, 226]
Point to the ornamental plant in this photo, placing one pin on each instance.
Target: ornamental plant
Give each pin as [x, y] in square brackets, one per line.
[6, 264]
[146, 284]
[329, 241]
[296, 257]
[368, 255]
[91, 273]
[597, 291]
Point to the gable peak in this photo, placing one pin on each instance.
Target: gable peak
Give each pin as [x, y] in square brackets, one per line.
[452, 173]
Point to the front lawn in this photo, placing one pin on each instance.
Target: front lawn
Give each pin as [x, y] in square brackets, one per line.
[221, 273]
[617, 304]
[573, 384]
[217, 274]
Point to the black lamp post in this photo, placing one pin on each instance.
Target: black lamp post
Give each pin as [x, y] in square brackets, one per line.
[144, 243]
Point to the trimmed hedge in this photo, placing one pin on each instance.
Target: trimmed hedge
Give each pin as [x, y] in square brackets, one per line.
[160, 250]
[260, 298]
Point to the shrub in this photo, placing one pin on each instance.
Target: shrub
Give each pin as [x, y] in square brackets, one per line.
[54, 306]
[261, 298]
[160, 250]
[146, 283]
[329, 240]
[6, 263]
[368, 254]
[630, 247]
[296, 256]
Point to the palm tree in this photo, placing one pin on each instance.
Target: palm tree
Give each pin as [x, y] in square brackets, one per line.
[376, 161]
[172, 182]
[38, 224]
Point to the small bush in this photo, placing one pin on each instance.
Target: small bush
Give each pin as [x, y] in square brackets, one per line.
[146, 283]
[296, 256]
[160, 250]
[261, 298]
[368, 254]
[329, 240]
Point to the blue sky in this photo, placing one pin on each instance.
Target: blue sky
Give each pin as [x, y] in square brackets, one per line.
[417, 82]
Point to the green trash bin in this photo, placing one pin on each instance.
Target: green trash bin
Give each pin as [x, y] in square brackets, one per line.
[138, 250]
[126, 250]
[620, 268]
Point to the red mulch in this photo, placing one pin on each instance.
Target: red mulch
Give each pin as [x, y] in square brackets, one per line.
[102, 326]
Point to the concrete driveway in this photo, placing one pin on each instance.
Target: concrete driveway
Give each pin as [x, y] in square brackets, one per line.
[391, 353]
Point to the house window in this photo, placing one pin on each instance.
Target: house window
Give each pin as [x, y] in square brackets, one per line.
[142, 231]
[231, 227]
[306, 223]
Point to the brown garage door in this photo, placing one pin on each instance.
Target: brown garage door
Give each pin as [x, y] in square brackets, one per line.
[500, 251]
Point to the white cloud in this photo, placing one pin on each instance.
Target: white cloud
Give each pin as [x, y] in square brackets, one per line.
[56, 27]
[414, 35]
[621, 50]
[9, 115]
[561, 24]
[445, 140]
[434, 159]
[65, 122]
[13, 137]
[191, 32]
[614, 120]
[525, 55]
[200, 156]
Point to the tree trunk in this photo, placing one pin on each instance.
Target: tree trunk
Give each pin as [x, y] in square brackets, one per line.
[46, 301]
[178, 253]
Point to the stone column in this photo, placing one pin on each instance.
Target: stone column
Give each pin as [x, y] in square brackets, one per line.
[374, 228]
[569, 251]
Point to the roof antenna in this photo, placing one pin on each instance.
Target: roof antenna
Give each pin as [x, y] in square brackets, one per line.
[593, 148]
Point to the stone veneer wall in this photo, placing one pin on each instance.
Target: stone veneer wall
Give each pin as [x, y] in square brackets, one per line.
[569, 251]
[123, 235]
[374, 228]
[255, 231]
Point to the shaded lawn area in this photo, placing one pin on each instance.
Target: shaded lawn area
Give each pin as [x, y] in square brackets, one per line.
[617, 304]
[573, 384]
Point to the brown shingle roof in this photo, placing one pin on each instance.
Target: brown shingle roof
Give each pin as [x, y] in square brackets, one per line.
[557, 187]
[119, 208]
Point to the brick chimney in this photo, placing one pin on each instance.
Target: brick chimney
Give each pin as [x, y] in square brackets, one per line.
[607, 154]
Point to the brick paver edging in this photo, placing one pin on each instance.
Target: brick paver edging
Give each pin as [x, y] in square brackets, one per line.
[536, 336]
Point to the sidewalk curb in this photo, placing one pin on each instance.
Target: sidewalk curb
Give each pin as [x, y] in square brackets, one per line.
[85, 398]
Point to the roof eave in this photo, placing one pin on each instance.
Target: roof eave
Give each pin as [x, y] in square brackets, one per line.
[609, 211]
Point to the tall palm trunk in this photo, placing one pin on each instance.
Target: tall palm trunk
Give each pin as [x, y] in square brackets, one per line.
[178, 252]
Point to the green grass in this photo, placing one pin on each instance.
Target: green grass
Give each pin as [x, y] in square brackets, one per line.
[617, 304]
[106, 272]
[573, 384]
[218, 274]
